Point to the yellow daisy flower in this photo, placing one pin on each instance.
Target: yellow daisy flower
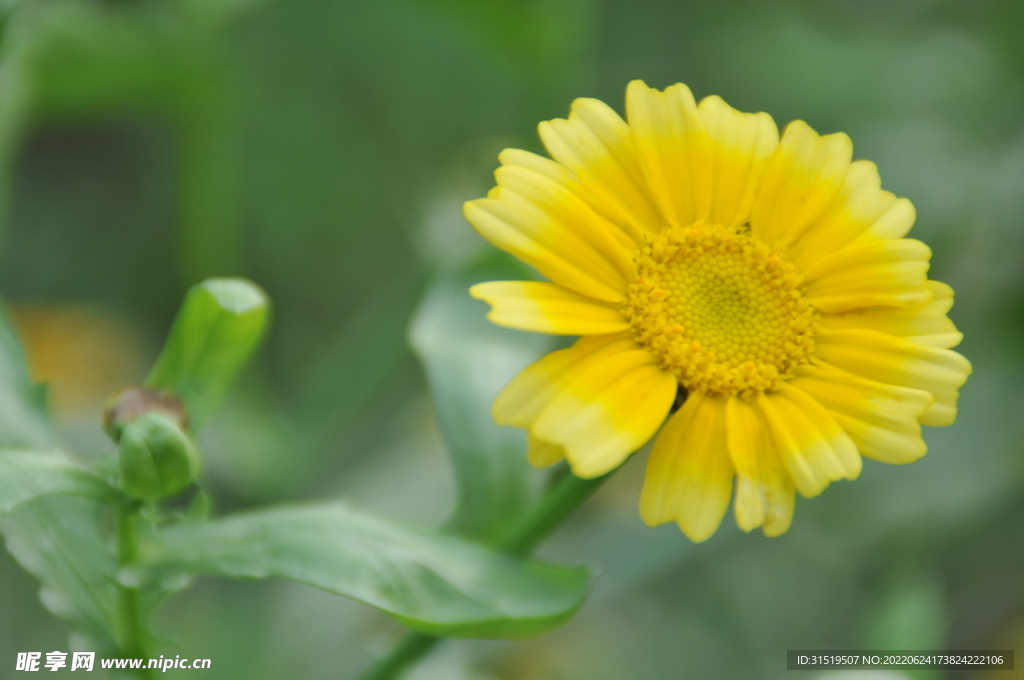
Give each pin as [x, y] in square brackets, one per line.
[766, 281]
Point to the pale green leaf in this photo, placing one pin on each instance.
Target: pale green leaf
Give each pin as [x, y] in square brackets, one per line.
[57, 540]
[432, 583]
[24, 422]
[25, 475]
[468, 360]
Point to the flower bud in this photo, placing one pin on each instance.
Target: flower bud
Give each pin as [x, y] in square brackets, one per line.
[157, 459]
[131, 403]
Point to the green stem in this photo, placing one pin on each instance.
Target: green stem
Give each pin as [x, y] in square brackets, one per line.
[569, 493]
[520, 540]
[413, 647]
[132, 630]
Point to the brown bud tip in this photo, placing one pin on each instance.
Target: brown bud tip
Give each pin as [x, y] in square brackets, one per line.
[131, 403]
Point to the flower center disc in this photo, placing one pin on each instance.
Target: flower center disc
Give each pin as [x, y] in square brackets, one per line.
[722, 310]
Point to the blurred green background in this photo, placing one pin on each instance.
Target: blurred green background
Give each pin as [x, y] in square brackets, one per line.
[324, 148]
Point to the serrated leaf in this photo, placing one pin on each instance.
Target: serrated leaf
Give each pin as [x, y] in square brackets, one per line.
[57, 540]
[468, 360]
[219, 325]
[433, 583]
[54, 538]
[25, 475]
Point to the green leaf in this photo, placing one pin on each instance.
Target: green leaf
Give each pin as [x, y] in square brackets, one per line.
[25, 475]
[24, 421]
[216, 330]
[432, 583]
[57, 540]
[468, 360]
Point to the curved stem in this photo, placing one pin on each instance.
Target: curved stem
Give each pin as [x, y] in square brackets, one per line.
[553, 509]
[520, 540]
[132, 630]
[414, 646]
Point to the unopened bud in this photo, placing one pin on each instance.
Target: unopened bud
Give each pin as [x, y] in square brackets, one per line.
[131, 403]
[157, 459]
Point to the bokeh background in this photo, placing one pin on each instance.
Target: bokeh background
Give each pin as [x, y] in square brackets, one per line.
[323, 148]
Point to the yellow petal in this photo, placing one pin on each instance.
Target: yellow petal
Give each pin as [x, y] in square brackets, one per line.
[882, 420]
[526, 395]
[891, 272]
[673, 148]
[814, 449]
[780, 502]
[895, 223]
[803, 177]
[569, 210]
[859, 204]
[544, 224]
[607, 410]
[749, 503]
[547, 308]
[595, 145]
[541, 453]
[925, 324]
[561, 175]
[745, 439]
[599, 400]
[765, 495]
[897, 361]
[741, 144]
[689, 474]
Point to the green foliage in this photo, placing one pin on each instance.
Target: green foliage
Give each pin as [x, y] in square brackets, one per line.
[431, 582]
[58, 540]
[24, 422]
[25, 475]
[156, 458]
[219, 325]
[467, 361]
[135, 136]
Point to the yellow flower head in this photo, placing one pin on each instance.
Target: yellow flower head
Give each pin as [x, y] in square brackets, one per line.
[765, 280]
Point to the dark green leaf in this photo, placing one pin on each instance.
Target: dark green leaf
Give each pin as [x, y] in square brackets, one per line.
[217, 328]
[468, 360]
[432, 583]
[25, 475]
